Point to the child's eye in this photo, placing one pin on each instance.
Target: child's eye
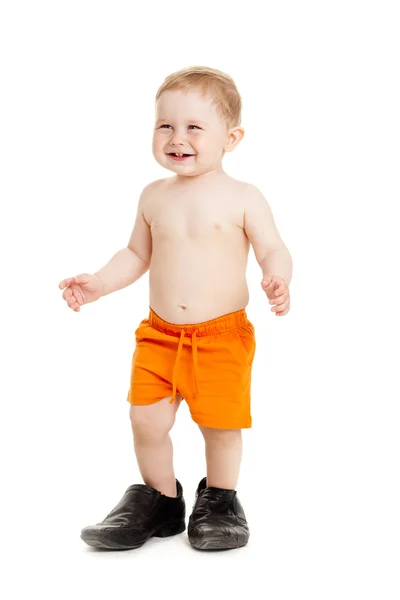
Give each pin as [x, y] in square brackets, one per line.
[166, 125]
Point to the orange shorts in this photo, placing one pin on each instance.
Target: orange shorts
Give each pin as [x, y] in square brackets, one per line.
[209, 364]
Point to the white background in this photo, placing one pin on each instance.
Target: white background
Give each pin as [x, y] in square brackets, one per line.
[320, 472]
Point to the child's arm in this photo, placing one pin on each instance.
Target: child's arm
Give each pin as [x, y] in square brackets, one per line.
[130, 263]
[259, 225]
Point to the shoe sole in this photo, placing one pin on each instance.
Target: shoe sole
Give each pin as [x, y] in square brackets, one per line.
[99, 541]
[218, 543]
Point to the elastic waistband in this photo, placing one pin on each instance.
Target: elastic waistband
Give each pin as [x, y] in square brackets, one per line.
[224, 323]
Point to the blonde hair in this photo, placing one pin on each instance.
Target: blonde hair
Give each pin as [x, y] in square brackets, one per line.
[213, 82]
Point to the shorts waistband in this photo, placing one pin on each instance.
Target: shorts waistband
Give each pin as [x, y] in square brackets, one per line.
[231, 320]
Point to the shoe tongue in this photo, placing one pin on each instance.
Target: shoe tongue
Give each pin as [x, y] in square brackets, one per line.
[215, 500]
[215, 492]
[141, 487]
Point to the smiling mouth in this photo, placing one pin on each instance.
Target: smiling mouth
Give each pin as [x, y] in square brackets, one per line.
[179, 155]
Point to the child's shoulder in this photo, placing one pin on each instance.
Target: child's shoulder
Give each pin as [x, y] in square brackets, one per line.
[251, 200]
[149, 189]
[244, 186]
[154, 184]
[246, 190]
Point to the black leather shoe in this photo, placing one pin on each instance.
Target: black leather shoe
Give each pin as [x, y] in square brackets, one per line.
[218, 521]
[142, 513]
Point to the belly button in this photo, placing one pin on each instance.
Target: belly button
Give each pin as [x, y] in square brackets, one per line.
[182, 306]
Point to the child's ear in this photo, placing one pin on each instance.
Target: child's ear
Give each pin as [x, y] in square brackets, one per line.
[234, 137]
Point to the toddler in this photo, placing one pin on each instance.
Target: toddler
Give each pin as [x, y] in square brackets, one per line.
[192, 232]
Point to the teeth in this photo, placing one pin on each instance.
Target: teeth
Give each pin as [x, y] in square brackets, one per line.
[180, 155]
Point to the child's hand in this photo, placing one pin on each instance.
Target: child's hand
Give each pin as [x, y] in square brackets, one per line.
[277, 291]
[81, 289]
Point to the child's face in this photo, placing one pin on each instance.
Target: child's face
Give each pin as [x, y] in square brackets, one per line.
[189, 124]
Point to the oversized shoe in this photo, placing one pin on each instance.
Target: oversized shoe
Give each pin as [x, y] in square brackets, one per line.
[218, 521]
[142, 513]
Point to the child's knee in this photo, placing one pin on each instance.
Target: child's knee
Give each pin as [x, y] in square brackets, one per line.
[149, 423]
[221, 436]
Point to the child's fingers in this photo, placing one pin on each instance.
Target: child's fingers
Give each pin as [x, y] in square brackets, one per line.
[281, 309]
[78, 300]
[279, 300]
[71, 302]
[67, 294]
[77, 305]
[73, 298]
[66, 282]
[75, 308]
[281, 287]
[281, 297]
[280, 306]
[266, 281]
[74, 304]
[81, 278]
[70, 298]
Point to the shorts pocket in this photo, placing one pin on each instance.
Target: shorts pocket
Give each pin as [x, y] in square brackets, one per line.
[246, 342]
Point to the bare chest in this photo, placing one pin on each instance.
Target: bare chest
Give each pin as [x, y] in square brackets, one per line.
[195, 215]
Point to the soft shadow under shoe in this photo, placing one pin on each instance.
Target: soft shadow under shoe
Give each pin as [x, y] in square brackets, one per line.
[218, 521]
[142, 513]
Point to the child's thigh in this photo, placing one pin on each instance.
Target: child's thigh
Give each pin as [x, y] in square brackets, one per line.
[156, 418]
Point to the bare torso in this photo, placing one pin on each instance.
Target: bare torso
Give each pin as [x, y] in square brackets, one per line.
[199, 249]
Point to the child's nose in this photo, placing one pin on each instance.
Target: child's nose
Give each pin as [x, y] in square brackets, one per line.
[177, 138]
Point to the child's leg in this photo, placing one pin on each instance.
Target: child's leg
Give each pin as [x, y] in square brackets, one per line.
[151, 425]
[223, 456]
